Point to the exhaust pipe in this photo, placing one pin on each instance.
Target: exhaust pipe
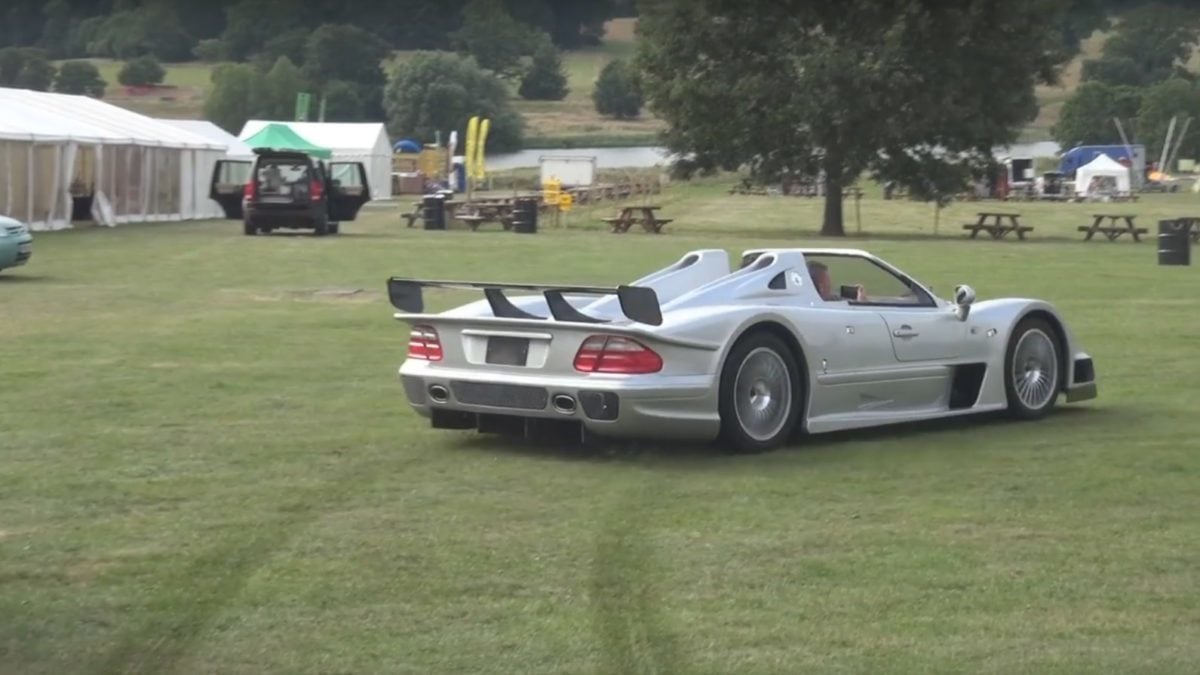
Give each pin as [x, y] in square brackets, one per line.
[439, 393]
[563, 404]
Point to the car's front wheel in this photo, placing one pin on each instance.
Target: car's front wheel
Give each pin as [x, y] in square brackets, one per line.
[1032, 370]
[761, 394]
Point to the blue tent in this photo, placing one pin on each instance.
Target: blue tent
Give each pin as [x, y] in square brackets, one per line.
[407, 145]
[1083, 154]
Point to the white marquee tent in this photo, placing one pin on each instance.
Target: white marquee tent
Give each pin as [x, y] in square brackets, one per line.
[1103, 167]
[65, 158]
[365, 142]
[235, 149]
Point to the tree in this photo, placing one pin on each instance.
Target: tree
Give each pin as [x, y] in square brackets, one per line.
[211, 50]
[545, 80]
[154, 29]
[281, 84]
[342, 103]
[1087, 116]
[291, 43]
[1161, 102]
[438, 92]
[492, 37]
[143, 70]
[249, 24]
[236, 96]
[1151, 43]
[913, 91]
[617, 91]
[352, 55]
[26, 68]
[80, 77]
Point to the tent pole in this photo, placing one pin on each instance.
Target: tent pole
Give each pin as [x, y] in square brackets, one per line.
[1162, 158]
[1178, 143]
[1129, 151]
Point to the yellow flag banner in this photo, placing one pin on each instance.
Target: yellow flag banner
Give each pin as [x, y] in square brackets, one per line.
[479, 148]
[472, 139]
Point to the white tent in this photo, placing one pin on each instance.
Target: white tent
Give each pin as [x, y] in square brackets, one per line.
[65, 158]
[235, 148]
[1110, 177]
[365, 142]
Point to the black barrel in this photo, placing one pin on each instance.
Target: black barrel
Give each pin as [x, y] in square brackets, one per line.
[1174, 242]
[433, 212]
[525, 215]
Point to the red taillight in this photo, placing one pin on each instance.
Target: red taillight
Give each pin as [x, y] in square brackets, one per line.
[316, 190]
[616, 354]
[250, 191]
[423, 343]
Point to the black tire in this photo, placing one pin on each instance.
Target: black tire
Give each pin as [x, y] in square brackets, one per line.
[770, 351]
[1039, 390]
[249, 229]
[334, 228]
[321, 228]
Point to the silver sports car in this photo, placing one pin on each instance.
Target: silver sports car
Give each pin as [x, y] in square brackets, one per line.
[795, 340]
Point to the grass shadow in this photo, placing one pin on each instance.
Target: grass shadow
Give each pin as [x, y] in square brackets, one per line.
[692, 453]
[23, 278]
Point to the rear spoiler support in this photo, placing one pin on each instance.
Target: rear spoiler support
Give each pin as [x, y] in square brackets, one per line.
[638, 303]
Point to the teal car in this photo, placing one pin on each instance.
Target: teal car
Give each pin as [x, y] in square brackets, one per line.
[16, 243]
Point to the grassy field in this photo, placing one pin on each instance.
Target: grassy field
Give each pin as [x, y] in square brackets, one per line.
[209, 466]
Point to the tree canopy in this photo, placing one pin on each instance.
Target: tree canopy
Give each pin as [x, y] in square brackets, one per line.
[913, 91]
[172, 29]
[1149, 44]
[436, 92]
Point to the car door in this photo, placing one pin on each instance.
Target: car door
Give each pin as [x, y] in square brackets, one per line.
[348, 190]
[896, 371]
[924, 333]
[228, 184]
[850, 356]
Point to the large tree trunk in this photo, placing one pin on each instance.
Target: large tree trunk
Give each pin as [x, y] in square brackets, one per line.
[832, 225]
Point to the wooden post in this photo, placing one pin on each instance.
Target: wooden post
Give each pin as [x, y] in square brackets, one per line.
[858, 210]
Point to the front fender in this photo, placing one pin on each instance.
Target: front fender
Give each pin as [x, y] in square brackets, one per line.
[1004, 315]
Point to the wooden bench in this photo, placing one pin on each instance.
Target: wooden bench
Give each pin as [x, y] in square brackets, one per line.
[1114, 230]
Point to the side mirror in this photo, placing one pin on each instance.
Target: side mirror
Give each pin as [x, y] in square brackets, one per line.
[964, 296]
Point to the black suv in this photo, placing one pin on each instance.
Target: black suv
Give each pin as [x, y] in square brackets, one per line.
[289, 189]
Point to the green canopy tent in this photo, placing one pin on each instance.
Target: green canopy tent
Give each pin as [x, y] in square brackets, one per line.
[281, 137]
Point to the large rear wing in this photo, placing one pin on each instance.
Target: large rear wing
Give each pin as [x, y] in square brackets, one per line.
[638, 303]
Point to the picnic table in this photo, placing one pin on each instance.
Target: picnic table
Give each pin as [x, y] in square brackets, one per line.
[476, 214]
[1119, 224]
[998, 228]
[418, 211]
[626, 218]
[1192, 225]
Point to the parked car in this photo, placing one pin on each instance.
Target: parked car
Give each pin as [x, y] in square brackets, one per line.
[285, 189]
[16, 243]
[795, 340]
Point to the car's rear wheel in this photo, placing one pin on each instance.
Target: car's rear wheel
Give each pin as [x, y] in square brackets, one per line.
[761, 394]
[334, 228]
[248, 228]
[322, 227]
[1032, 369]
